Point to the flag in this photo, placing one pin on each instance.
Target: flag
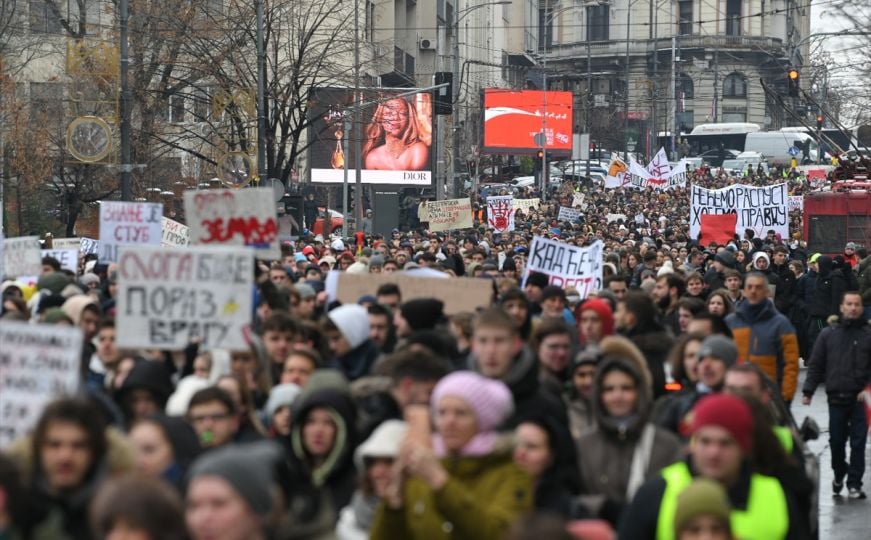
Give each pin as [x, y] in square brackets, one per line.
[719, 228]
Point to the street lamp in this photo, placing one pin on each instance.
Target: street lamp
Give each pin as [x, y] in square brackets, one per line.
[458, 16]
[626, 90]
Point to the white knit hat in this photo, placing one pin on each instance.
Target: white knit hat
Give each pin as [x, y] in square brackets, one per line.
[352, 320]
[177, 405]
[282, 395]
[383, 443]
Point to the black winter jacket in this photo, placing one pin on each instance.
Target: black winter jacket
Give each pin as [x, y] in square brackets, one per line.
[842, 360]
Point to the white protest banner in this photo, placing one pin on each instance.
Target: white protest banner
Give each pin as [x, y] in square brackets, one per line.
[796, 203]
[22, 256]
[618, 173]
[89, 246]
[525, 205]
[578, 199]
[68, 258]
[758, 208]
[38, 364]
[568, 214]
[641, 178]
[127, 223]
[66, 243]
[615, 217]
[174, 233]
[446, 215]
[169, 297]
[234, 217]
[567, 265]
[458, 294]
[500, 213]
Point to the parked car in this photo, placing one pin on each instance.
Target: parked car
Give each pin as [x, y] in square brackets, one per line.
[745, 160]
[712, 157]
[336, 222]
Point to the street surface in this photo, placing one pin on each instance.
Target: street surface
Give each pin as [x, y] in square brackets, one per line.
[840, 517]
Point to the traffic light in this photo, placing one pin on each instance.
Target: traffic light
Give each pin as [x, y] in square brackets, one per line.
[794, 82]
[539, 155]
[820, 120]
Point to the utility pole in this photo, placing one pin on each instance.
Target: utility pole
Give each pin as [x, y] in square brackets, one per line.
[589, 113]
[262, 170]
[358, 159]
[626, 90]
[455, 124]
[126, 166]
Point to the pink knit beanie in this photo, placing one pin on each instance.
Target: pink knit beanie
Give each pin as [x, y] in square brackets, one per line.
[490, 399]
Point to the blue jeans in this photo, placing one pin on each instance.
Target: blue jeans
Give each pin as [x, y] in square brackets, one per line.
[848, 422]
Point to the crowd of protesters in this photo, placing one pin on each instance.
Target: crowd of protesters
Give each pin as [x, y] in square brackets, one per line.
[658, 407]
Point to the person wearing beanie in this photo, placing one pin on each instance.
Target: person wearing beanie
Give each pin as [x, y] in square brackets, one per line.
[230, 493]
[595, 320]
[346, 329]
[715, 276]
[461, 482]
[534, 287]
[278, 409]
[374, 459]
[376, 263]
[624, 448]
[579, 393]
[765, 336]
[720, 449]
[703, 509]
[418, 314]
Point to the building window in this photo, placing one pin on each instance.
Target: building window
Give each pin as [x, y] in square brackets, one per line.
[735, 86]
[176, 109]
[597, 23]
[733, 115]
[545, 28]
[42, 19]
[683, 86]
[685, 121]
[46, 103]
[685, 17]
[733, 17]
[369, 23]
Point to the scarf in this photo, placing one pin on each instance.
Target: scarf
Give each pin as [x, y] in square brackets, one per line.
[480, 445]
[364, 507]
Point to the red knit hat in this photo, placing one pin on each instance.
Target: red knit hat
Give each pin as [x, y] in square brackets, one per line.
[728, 412]
[602, 309]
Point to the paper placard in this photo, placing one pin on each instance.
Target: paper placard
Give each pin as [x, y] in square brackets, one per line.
[500, 213]
[525, 205]
[66, 243]
[22, 256]
[168, 297]
[568, 214]
[458, 294]
[446, 215]
[234, 217]
[68, 258]
[175, 234]
[127, 223]
[38, 364]
[796, 203]
[567, 265]
[758, 208]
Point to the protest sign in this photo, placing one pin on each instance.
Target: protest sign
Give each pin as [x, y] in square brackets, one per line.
[167, 298]
[500, 213]
[458, 294]
[22, 256]
[127, 223]
[38, 364]
[659, 167]
[174, 233]
[618, 172]
[568, 214]
[89, 246]
[611, 218]
[446, 215]
[640, 178]
[525, 205]
[68, 258]
[567, 265]
[234, 217]
[578, 199]
[758, 208]
[796, 203]
[67, 243]
[717, 228]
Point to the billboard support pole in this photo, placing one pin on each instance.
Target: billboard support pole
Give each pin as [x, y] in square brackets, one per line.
[346, 125]
[358, 130]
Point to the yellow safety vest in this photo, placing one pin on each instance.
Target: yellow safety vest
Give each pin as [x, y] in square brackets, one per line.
[784, 435]
[765, 518]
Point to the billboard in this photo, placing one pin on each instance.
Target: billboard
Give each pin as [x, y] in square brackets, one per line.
[512, 119]
[397, 131]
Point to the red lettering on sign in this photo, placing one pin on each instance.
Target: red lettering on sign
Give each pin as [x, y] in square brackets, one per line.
[250, 229]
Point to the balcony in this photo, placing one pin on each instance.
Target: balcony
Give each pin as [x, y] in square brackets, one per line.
[637, 47]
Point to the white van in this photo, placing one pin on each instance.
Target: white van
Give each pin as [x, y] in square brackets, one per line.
[775, 145]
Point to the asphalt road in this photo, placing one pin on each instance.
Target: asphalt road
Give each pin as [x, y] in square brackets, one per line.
[840, 517]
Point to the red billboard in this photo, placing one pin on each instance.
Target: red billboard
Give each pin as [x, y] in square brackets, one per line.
[513, 119]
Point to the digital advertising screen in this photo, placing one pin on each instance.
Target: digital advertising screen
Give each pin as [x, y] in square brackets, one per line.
[513, 119]
[397, 137]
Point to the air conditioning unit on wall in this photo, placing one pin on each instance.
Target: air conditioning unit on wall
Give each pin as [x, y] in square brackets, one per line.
[426, 44]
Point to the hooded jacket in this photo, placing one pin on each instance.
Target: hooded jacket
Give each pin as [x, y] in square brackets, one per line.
[766, 337]
[654, 342]
[147, 375]
[865, 280]
[830, 286]
[842, 360]
[606, 452]
[357, 362]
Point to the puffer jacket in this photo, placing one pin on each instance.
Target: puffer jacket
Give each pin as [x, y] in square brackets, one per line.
[482, 499]
[842, 360]
[767, 338]
[606, 452]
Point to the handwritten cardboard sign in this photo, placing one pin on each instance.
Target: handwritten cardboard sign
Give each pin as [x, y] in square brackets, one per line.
[447, 215]
[234, 217]
[22, 256]
[525, 205]
[758, 208]
[68, 258]
[500, 213]
[568, 214]
[127, 223]
[38, 364]
[796, 203]
[169, 298]
[175, 234]
[567, 265]
[66, 243]
[458, 294]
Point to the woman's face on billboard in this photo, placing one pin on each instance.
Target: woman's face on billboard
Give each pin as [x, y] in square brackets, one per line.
[395, 119]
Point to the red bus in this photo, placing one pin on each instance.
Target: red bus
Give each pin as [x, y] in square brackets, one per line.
[836, 215]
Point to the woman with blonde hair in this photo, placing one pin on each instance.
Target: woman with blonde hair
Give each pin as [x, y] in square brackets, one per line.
[396, 139]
